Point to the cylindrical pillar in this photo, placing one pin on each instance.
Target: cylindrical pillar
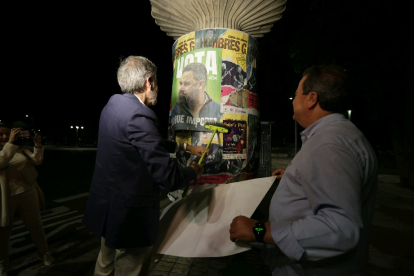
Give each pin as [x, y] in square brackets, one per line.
[214, 79]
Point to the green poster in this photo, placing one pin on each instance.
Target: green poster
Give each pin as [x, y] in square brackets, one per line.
[196, 90]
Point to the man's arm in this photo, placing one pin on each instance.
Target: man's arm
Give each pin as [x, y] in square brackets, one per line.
[241, 228]
[331, 181]
[196, 150]
[165, 173]
[332, 224]
[278, 173]
[171, 147]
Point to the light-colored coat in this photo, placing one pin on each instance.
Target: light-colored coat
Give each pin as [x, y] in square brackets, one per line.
[17, 174]
[6, 154]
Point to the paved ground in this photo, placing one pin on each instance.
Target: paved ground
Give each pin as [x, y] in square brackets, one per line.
[76, 249]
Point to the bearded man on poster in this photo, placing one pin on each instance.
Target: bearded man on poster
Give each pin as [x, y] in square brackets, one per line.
[193, 100]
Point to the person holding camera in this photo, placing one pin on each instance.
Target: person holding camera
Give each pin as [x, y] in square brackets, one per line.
[19, 193]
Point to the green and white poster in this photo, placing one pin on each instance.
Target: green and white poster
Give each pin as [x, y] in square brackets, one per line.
[196, 90]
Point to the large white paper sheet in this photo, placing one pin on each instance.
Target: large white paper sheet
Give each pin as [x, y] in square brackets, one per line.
[198, 226]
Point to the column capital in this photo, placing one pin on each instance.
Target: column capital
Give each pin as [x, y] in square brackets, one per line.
[179, 17]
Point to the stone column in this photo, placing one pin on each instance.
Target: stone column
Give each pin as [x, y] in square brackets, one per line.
[218, 37]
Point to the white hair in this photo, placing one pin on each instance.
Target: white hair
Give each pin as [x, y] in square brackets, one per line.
[133, 72]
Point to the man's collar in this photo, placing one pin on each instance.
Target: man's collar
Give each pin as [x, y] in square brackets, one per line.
[307, 133]
[139, 98]
[206, 97]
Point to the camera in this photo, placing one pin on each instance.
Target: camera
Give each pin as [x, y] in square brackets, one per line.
[24, 136]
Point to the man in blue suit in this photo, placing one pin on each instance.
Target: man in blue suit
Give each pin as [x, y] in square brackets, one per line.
[132, 166]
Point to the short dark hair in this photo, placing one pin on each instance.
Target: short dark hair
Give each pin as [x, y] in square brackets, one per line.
[4, 125]
[199, 71]
[330, 82]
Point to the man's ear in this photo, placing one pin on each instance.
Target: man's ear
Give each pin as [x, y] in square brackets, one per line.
[202, 84]
[150, 83]
[312, 99]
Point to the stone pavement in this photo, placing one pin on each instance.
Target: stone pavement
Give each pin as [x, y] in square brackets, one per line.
[75, 248]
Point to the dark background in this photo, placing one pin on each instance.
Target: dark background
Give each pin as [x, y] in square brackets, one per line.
[61, 61]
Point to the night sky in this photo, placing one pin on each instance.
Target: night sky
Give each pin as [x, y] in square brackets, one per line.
[65, 70]
[62, 62]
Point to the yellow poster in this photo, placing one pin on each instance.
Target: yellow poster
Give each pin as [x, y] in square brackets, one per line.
[183, 45]
[234, 45]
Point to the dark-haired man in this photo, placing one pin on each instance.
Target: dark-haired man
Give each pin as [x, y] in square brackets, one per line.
[321, 211]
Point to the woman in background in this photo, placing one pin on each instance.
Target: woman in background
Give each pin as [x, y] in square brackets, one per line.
[19, 193]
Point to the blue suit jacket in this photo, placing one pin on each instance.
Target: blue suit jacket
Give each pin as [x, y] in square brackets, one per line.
[132, 165]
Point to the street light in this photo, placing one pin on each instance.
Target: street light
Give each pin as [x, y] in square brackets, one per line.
[349, 114]
[31, 120]
[77, 129]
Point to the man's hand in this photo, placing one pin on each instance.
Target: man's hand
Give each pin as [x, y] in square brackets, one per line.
[278, 172]
[197, 150]
[241, 228]
[198, 168]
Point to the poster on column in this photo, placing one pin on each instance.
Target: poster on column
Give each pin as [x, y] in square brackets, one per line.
[239, 101]
[238, 68]
[183, 45]
[233, 149]
[235, 142]
[196, 93]
[227, 94]
[208, 37]
[234, 66]
[215, 167]
[252, 54]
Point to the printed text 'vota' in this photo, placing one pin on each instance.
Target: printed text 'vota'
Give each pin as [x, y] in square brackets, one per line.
[208, 58]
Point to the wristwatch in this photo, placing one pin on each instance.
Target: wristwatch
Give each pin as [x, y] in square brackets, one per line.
[259, 230]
